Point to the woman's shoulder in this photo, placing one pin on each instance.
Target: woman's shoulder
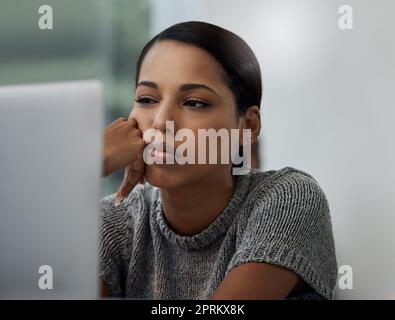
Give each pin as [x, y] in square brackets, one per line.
[287, 191]
[286, 221]
[271, 177]
[285, 181]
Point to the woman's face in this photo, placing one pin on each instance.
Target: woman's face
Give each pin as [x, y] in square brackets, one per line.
[186, 85]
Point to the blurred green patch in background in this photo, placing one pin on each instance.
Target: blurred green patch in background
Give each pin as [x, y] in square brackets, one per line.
[98, 39]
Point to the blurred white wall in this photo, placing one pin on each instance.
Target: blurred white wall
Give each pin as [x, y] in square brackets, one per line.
[328, 108]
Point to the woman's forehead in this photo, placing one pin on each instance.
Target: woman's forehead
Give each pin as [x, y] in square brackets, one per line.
[183, 63]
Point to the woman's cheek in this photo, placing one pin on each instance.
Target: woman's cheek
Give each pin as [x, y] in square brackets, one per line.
[138, 116]
[133, 113]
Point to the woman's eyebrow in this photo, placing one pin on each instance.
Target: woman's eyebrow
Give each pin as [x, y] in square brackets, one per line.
[148, 84]
[183, 87]
[191, 86]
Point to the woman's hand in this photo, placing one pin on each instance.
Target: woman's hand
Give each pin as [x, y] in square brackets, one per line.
[123, 145]
[133, 174]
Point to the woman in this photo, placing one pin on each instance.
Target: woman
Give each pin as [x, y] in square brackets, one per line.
[195, 231]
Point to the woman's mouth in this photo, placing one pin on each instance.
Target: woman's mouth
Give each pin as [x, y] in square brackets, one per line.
[162, 153]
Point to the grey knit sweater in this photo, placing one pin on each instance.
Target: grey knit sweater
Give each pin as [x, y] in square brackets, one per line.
[278, 216]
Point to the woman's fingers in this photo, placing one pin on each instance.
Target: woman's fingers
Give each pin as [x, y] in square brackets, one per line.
[122, 143]
[134, 174]
[127, 185]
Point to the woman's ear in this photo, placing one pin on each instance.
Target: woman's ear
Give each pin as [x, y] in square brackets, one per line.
[251, 119]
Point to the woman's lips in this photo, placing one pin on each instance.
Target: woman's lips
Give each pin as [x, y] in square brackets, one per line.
[162, 152]
[162, 146]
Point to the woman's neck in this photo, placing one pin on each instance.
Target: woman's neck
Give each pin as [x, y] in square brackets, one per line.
[192, 208]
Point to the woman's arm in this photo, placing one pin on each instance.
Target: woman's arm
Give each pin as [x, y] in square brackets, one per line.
[257, 281]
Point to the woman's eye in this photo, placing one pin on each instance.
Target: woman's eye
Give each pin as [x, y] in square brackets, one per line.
[145, 100]
[196, 104]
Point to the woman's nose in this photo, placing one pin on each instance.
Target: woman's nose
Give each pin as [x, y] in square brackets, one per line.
[161, 118]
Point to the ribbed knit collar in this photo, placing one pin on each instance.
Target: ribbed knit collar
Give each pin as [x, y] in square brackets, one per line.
[215, 229]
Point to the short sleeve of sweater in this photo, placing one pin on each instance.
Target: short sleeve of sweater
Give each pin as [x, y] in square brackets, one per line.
[289, 225]
[112, 245]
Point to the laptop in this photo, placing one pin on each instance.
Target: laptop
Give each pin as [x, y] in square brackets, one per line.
[50, 187]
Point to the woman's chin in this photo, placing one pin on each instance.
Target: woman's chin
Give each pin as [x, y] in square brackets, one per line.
[176, 175]
[162, 176]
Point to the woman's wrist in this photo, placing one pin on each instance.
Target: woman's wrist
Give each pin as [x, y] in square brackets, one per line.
[106, 171]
